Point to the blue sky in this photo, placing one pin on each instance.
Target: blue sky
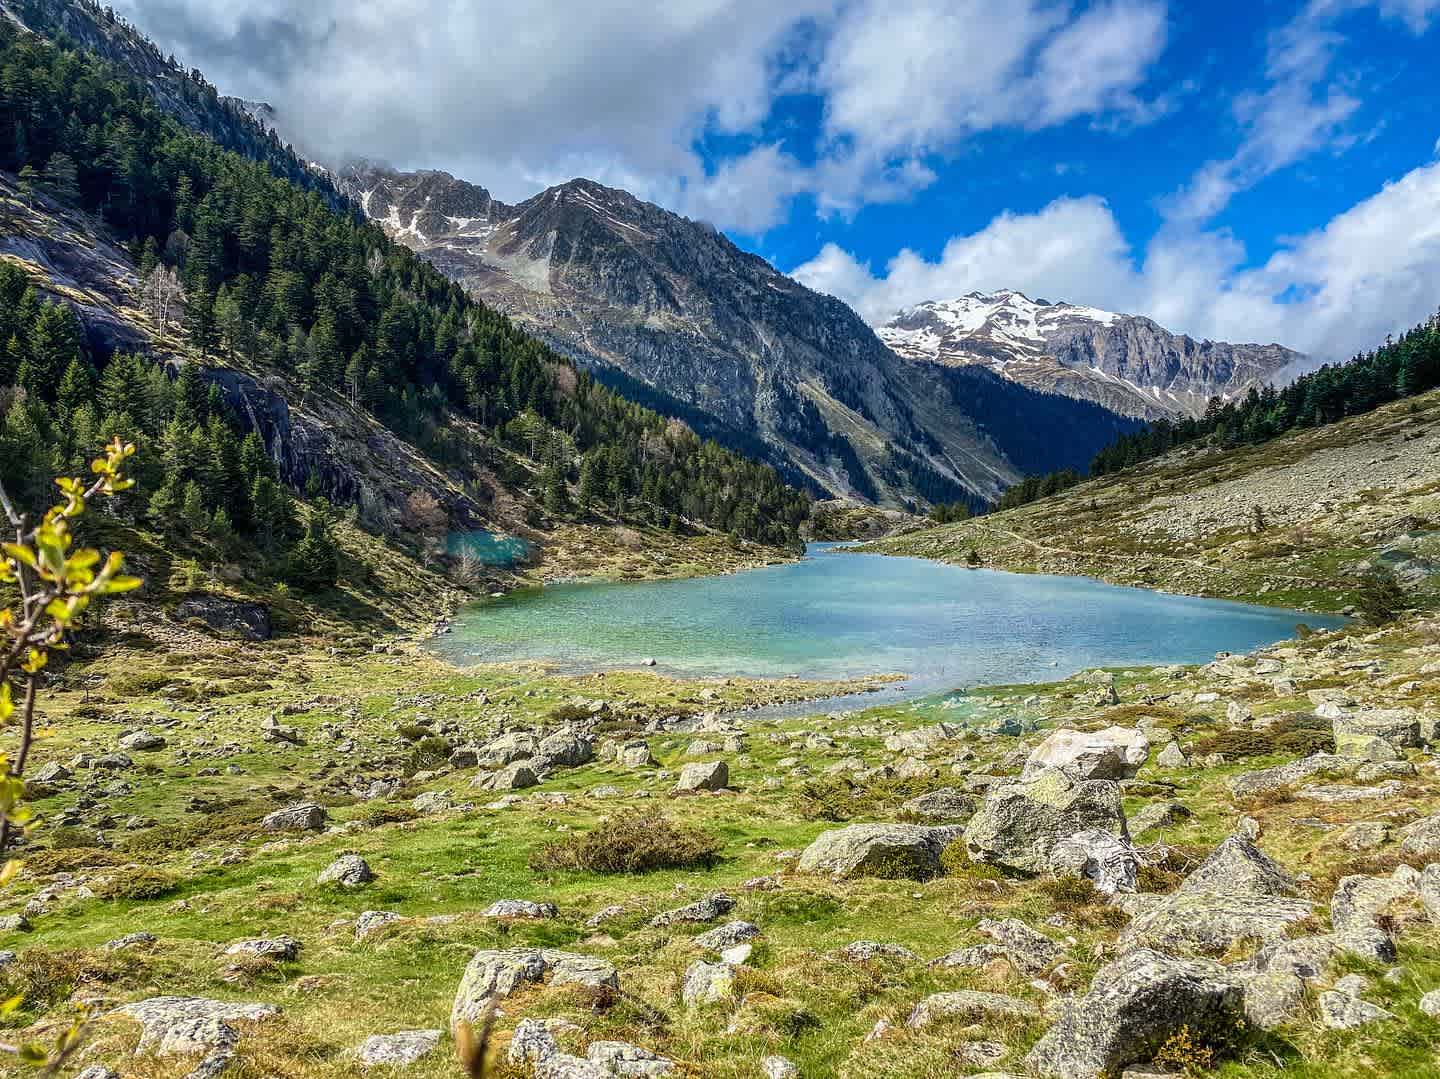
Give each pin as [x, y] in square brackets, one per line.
[1247, 171]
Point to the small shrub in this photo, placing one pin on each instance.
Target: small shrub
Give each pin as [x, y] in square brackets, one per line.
[377, 813]
[46, 978]
[430, 752]
[570, 713]
[1068, 894]
[632, 843]
[139, 683]
[838, 798]
[138, 883]
[412, 732]
[42, 863]
[1185, 1051]
[1381, 599]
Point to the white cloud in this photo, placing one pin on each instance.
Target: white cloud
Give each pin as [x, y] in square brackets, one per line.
[515, 96]
[1332, 292]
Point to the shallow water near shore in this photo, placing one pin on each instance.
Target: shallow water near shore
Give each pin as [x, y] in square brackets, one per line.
[841, 614]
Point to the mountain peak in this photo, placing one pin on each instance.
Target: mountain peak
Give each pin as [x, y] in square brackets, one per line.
[1128, 363]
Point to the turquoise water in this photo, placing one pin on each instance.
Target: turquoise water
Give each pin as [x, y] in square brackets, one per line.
[492, 548]
[840, 614]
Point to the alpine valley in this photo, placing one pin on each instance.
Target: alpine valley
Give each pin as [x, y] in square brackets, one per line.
[436, 637]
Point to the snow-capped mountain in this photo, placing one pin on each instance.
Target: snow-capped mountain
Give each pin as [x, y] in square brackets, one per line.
[673, 314]
[1127, 363]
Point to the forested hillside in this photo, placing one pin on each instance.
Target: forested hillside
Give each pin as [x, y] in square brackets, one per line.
[252, 271]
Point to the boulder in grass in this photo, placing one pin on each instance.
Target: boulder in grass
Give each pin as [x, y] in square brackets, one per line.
[1355, 731]
[401, 1049]
[1114, 753]
[1019, 824]
[1108, 861]
[969, 1006]
[879, 850]
[703, 776]
[347, 871]
[495, 973]
[305, 817]
[1239, 866]
[1132, 1008]
[172, 1026]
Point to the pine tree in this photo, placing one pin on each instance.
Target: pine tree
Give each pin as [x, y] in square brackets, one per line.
[314, 563]
[61, 180]
[77, 387]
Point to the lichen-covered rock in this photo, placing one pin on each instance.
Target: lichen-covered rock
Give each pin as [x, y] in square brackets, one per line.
[512, 777]
[946, 804]
[1283, 776]
[1019, 824]
[1108, 861]
[1114, 753]
[279, 948]
[1239, 866]
[1341, 1011]
[184, 1025]
[1422, 838]
[883, 850]
[626, 1061]
[1354, 731]
[1361, 902]
[1158, 815]
[1132, 1007]
[520, 908]
[348, 871]
[1428, 887]
[508, 748]
[1273, 998]
[708, 983]
[1210, 922]
[496, 973]
[305, 817]
[867, 951]
[703, 776]
[969, 1006]
[1172, 757]
[401, 1049]
[702, 910]
[1028, 950]
[726, 936]
[370, 922]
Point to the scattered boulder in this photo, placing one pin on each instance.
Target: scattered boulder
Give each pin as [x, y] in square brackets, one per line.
[1237, 865]
[142, 741]
[1108, 861]
[1132, 1008]
[702, 910]
[1341, 1011]
[496, 973]
[1356, 731]
[433, 802]
[1114, 753]
[250, 620]
[867, 951]
[172, 1026]
[969, 1006]
[401, 1049]
[1273, 998]
[883, 850]
[512, 777]
[726, 936]
[1158, 815]
[708, 983]
[348, 871]
[703, 776]
[371, 922]
[946, 804]
[635, 754]
[1172, 757]
[305, 817]
[281, 947]
[1362, 902]
[521, 908]
[1422, 838]
[1019, 824]
[1283, 776]
[1029, 951]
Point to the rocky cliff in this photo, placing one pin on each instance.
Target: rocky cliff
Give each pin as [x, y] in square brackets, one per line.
[1127, 363]
[650, 298]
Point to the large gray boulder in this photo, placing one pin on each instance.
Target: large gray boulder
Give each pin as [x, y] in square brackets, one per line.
[1428, 887]
[566, 749]
[1210, 922]
[509, 748]
[1028, 951]
[348, 871]
[512, 777]
[1108, 861]
[1356, 731]
[879, 850]
[1422, 838]
[1284, 776]
[1114, 753]
[495, 973]
[401, 1049]
[1133, 1007]
[946, 804]
[306, 817]
[1362, 902]
[173, 1026]
[703, 776]
[1238, 866]
[969, 1006]
[1019, 824]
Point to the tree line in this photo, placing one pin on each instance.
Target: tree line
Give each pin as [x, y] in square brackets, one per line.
[256, 268]
[1398, 369]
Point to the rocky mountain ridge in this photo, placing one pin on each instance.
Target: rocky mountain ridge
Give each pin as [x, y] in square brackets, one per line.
[646, 297]
[1127, 363]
